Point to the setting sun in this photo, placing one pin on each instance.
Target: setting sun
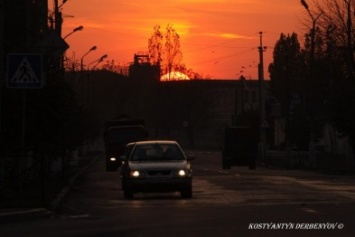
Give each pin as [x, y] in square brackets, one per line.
[174, 76]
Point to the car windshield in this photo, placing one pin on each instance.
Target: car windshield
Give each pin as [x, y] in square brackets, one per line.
[157, 152]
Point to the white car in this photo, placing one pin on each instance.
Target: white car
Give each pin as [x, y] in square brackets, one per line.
[156, 166]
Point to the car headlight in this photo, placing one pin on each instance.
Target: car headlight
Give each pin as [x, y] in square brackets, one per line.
[112, 158]
[135, 173]
[182, 173]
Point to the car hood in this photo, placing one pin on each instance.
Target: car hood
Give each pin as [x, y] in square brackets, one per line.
[156, 165]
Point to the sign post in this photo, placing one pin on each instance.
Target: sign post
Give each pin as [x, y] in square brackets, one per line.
[24, 71]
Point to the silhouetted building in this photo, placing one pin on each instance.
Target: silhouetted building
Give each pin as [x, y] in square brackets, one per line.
[202, 107]
[24, 25]
[142, 69]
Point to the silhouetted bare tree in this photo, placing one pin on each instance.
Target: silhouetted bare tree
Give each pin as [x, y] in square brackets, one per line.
[337, 18]
[164, 49]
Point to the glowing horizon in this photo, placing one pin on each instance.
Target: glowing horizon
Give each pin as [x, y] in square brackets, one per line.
[174, 76]
[219, 38]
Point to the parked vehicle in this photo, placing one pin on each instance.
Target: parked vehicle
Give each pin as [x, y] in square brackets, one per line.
[240, 147]
[156, 166]
[117, 133]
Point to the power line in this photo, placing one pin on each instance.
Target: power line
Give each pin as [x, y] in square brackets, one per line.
[221, 44]
[249, 50]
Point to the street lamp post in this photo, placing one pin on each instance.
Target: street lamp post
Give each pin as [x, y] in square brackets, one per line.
[90, 81]
[82, 74]
[308, 100]
[63, 57]
[82, 58]
[313, 29]
[83, 95]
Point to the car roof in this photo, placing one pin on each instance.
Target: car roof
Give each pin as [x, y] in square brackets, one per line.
[171, 142]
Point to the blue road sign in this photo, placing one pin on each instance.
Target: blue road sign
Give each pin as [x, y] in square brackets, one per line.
[25, 71]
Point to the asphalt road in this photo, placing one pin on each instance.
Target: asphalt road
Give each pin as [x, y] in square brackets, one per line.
[236, 202]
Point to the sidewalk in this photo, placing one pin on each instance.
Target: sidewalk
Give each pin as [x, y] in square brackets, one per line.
[323, 162]
[18, 213]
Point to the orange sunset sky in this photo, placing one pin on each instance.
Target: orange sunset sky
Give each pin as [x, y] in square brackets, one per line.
[219, 38]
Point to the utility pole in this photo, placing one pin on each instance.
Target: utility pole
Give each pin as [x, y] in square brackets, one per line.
[57, 19]
[2, 61]
[261, 100]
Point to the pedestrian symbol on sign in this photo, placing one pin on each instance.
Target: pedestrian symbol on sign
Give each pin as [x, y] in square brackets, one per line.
[24, 73]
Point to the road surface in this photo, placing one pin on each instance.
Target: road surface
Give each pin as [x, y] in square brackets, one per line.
[235, 202]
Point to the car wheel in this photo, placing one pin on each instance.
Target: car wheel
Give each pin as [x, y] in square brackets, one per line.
[186, 193]
[128, 194]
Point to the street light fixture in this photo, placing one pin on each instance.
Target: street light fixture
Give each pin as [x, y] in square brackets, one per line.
[79, 28]
[98, 61]
[102, 58]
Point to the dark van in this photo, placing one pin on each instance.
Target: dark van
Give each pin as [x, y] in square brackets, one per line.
[240, 147]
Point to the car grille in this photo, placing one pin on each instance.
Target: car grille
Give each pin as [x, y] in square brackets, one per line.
[159, 173]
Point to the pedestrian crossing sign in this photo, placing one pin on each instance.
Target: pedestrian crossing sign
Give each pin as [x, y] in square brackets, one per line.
[25, 71]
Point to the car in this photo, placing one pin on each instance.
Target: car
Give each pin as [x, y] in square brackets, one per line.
[156, 166]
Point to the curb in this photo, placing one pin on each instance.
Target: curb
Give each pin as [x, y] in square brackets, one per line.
[26, 214]
[59, 198]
